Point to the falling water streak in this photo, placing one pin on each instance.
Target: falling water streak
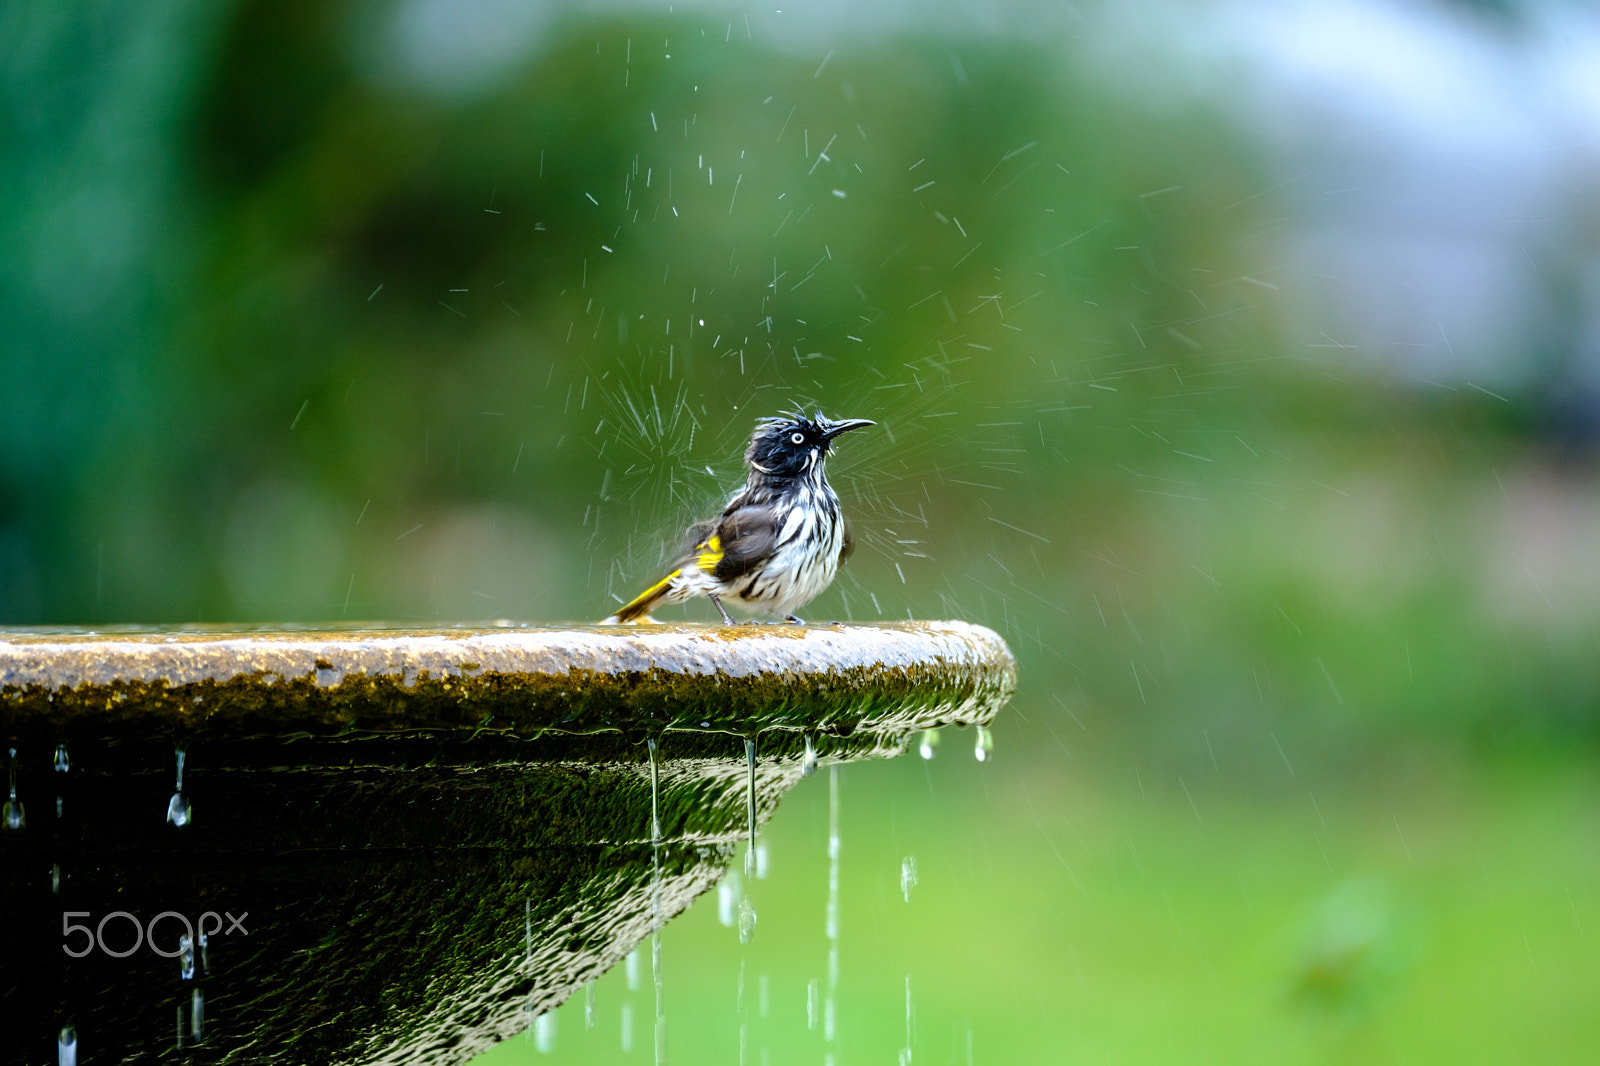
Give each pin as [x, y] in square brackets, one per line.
[627, 1028]
[13, 814]
[929, 747]
[180, 1027]
[744, 1020]
[185, 957]
[808, 761]
[544, 1033]
[527, 930]
[984, 746]
[178, 808]
[63, 764]
[197, 1016]
[905, 1052]
[829, 1004]
[67, 1047]
[750, 806]
[655, 905]
[655, 792]
[908, 876]
[591, 1007]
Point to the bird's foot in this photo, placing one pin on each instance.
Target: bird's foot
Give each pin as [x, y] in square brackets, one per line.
[721, 610]
[793, 619]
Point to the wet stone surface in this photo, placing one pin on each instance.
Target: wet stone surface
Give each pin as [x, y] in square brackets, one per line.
[435, 834]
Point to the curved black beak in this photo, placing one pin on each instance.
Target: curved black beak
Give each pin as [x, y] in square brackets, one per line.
[845, 425]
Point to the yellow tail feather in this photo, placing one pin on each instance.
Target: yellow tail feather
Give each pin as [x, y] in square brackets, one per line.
[641, 605]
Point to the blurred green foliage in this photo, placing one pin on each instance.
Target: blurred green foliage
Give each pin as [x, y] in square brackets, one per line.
[331, 345]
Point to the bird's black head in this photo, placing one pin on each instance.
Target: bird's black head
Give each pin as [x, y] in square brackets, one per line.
[793, 445]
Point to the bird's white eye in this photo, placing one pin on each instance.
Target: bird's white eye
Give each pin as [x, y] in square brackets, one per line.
[797, 437]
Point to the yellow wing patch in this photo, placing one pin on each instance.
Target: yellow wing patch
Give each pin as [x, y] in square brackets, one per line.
[710, 554]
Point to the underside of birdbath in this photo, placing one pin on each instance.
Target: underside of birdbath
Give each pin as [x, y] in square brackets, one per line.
[401, 844]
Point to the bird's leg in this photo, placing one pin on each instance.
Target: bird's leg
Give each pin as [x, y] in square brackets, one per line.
[720, 609]
[792, 618]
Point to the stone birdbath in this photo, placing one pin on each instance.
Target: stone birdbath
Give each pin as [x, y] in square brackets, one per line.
[397, 845]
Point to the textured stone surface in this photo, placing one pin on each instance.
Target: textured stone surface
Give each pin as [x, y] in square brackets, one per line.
[437, 834]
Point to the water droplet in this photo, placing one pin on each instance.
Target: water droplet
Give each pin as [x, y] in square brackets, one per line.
[813, 1004]
[761, 861]
[55, 879]
[178, 810]
[186, 957]
[67, 1047]
[808, 761]
[627, 1028]
[63, 764]
[908, 876]
[591, 1006]
[544, 1033]
[632, 970]
[985, 744]
[197, 1016]
[930, 744]
[747, 920]
[12, 813]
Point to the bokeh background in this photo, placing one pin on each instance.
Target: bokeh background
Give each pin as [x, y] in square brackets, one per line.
[1238, 361]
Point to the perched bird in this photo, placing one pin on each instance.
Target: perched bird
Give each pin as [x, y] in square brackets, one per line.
[781, 538]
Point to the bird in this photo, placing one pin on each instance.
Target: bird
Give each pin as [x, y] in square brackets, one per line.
[778, 542]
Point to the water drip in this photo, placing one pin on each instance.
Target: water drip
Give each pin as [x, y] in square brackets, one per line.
[744, 1020]
[905, 1052]
[63, 764]
[178, 809]
[197, 1016]
[750, 806]
[929, 746]
[655, 792]
[828, 1006]
[985, 744]
[12, 813]
[67, 1047]
[808, 761]
[55, 879]
[747, 920]
[591, 1006]
[908, 876]
[186, 957]
[813, 1003]
[655, 905]
[544, 1033]
[627, 1028]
